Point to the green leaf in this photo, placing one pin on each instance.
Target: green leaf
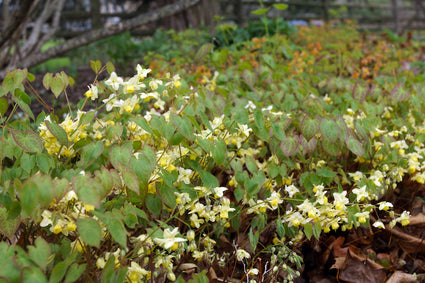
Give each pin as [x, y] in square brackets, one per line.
[40, 253]
[24, 107]
[203, 51]
[325, 172]
[8, 83]
[309, 127]
[218, 151]
[114, 224]
[110, 67]
[120, 154]
[280, 228]
[28, 141]
[57, 85]
[87, 118]
[317, 229]
[30, 77]
[95, 65]
[90, 153]
[47, 80]
[27, 162]
[4, 105]
[249, 77]
[44, 162]
[23, 96]
[183, 125]
[281, 7]
[45, 188]
[332, 148]
[153, 204]
[209, 180]
[253, 239]
[130, 180]
[114, 132]
[19, 76]
[87, 189]
[269, 61]
[329, 129]
[58, 132]
[8, 226]
[141, 122]
[58, 272]
[308, 230]
[33, 275]
[74, 272]
[289, 146]
[355, 146]
[90, 231]
[260, 11]
[251, 164]
[400, 93]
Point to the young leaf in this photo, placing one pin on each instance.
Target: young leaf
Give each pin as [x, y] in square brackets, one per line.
[260, 11]
[400, 93]
[58, 272]
[153, 204]
[308, 230]
[249, 77]
[4, 105]
[253, 239]
[130, 180]
[28, 141]
[269, 61]
[24, 106]
[329, 129]
[47, 80]
[8, 226]
[95, 65]
[58, 132]
[203, 51]
[281, 7]
[74, 272]
[44, 162]
[218, 150]
[114, 224]
[317, 229]
[40, 252]
[90, 153]
[120, 154]
[289, 146]
[355, 146]
[27, 162]
[309, 127]
[209, 180]
[57, 85]
[90, 231]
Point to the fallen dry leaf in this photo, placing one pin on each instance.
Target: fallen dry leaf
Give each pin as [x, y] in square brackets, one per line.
[401, 277]
[360, 272]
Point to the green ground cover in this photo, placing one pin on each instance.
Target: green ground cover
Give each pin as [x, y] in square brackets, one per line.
[217, 161]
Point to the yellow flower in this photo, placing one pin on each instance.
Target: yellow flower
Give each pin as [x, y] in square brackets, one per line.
[57, 229]
[71, 226]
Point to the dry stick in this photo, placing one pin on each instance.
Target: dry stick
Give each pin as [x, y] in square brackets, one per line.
[31, 89]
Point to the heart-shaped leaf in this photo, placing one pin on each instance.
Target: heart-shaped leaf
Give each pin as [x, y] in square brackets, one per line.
[28, 140]
[329, 129]
[8, 227]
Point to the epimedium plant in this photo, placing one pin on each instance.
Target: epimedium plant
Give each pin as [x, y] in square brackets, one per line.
[158, 176]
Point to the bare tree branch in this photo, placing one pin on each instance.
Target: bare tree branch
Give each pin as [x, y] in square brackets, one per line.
[102, 33]
[19, 19]
[25, 54]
